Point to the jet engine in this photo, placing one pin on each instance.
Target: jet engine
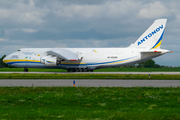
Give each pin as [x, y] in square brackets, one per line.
[49, 61]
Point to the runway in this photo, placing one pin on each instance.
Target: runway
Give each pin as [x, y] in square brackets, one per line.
[88, 83]
[168, 73]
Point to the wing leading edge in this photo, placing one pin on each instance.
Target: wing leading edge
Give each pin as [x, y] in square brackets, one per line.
[63, 54]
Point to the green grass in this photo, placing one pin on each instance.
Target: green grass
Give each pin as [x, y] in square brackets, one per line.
[89, 76]
[99, 70]
[139, 70]
[81, 103]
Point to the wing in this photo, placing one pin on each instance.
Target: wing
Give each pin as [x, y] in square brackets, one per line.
[63, 54]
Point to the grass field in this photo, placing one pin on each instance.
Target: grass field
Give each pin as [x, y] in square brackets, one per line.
[99, 70]
[139, 70]
[81, 103]
[89, 76]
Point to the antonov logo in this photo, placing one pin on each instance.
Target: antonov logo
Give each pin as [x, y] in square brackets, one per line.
[150, 34]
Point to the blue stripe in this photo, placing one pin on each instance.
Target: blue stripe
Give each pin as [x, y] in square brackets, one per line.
[158, 40]
[100, 63]
[10, 63]
[49, 61]
[73, 64]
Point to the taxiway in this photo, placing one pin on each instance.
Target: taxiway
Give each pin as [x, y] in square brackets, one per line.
[88, 83]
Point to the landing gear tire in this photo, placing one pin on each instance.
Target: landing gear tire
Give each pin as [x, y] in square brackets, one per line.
[77, 70]
[73, 70]
[81, 70]
[25, 70]
[86, 70]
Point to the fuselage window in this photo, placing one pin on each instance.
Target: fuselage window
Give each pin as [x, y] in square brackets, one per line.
[14, 57]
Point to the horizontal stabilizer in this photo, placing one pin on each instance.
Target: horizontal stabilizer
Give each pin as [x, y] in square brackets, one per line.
[162, 51]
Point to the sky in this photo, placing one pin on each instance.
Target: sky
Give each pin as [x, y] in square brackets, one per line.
[87, 24]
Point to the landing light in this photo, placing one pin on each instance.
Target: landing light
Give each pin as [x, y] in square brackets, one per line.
[155, 51]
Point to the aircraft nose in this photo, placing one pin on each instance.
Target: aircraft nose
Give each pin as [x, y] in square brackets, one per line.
[5, 59]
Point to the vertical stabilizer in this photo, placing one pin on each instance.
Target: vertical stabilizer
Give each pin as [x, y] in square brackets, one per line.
[152, 37]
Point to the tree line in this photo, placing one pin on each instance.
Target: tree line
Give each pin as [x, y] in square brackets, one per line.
[145, 64]
[2, 64]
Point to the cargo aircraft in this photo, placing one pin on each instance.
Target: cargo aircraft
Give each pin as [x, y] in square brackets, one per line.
[147, 46]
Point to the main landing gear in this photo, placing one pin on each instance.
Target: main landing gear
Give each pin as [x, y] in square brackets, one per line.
[25, 70]
[78, 70]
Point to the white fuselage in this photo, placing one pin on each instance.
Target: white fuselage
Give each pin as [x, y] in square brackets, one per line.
[89, 58]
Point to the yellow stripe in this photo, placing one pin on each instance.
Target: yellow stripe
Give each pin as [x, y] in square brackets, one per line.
[158, 45]
[119, 62]
[24, 60]
[19, 60]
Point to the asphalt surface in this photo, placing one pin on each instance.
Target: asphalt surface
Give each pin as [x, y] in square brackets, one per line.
[89, 83]
[173, 73]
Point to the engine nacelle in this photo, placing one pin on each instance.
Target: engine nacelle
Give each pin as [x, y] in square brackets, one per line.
[49, 61]
[43, 60]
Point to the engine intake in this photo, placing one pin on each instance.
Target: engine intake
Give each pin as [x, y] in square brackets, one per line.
[49, 61]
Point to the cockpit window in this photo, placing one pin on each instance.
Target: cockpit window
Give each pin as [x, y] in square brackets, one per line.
[18, 50]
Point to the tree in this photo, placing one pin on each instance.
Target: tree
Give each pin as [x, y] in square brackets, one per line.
[158, 66]
[141, 64]
[147, 64]
[2, 64]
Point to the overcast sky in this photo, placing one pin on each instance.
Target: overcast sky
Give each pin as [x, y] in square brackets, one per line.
[87, 23]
